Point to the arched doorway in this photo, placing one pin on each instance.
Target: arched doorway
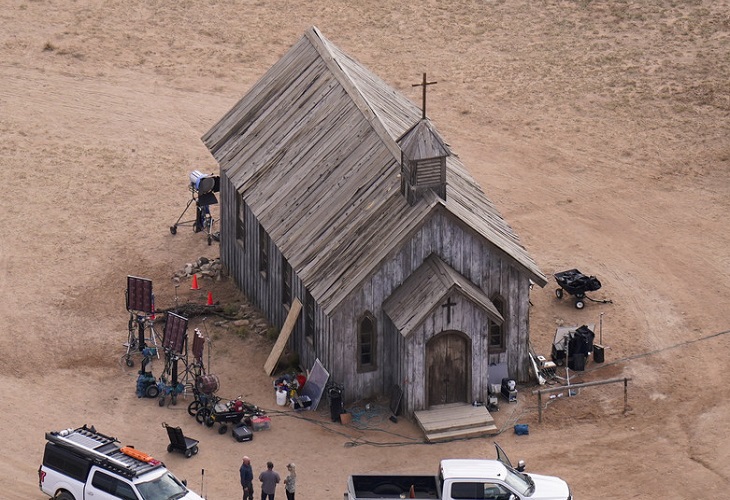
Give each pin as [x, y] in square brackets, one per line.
[448, 368]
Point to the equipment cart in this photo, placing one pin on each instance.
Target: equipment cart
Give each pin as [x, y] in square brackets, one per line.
[178, 441]
[577, 284]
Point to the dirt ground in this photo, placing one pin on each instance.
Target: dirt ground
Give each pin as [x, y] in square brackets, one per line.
[600, 130]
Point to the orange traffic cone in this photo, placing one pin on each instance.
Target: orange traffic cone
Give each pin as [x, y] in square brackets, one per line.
[210, 299]
[195, 286]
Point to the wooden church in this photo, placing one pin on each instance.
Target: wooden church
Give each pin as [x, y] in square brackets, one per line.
[339, 196]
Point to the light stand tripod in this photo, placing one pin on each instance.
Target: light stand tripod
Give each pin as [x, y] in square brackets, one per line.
[201, 188]
[175, 343]
[141, 306]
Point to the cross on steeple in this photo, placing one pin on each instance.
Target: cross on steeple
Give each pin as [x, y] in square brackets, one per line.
[448, 305]
[423, 84]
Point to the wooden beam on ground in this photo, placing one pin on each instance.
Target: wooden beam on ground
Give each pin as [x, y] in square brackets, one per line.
[291, 320]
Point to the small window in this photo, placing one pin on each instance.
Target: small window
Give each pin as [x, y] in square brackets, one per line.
[68, 463]
[366, 344]
[241, 221]
[479, 491]
[466, 491]
[263, 252]
[309, 319]
[285, 282]
[496, 332]
[125, 491]
[113, 486]
[103, 482]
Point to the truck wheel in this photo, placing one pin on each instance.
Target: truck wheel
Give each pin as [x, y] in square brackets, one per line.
[579, 304]
[188, 453]
[223, 429]
[559, 293]
[64, 495]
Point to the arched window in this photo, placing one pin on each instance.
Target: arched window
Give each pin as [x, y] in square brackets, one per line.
[366, 337]
[496, 332]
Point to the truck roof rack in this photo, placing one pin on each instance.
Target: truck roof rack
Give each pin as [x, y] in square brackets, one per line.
[103, 451]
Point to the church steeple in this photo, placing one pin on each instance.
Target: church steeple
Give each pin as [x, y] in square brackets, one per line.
[423, 157]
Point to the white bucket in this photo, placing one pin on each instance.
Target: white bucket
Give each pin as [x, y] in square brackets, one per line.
[281, 397]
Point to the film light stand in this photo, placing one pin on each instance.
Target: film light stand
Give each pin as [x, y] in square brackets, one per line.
[202, 188]
[140, 302]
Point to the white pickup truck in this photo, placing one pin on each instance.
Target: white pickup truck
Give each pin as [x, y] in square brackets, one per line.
[83, 464]
[462, 479]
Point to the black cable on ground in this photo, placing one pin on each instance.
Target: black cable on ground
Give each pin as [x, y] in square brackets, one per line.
[657, 351]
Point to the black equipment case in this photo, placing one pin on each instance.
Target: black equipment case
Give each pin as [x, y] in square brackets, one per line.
[242, 433]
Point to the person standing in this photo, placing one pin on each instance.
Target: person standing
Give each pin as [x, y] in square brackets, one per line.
[290, 482]
[269, 479]
[247, 479]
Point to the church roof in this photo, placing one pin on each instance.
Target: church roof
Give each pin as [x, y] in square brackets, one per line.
[422, 142]
[426, 289]
[312, 149]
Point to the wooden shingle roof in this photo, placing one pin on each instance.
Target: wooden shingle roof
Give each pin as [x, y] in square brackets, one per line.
[312, 149]
[421, 141]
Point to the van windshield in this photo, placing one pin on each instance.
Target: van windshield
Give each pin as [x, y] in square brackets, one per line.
[165, 487]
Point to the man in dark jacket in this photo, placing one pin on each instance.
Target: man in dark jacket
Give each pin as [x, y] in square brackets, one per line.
[247, 479]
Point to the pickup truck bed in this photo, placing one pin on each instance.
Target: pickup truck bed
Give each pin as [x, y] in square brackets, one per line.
[385, 486]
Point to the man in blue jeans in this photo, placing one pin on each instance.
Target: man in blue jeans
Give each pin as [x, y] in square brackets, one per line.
[269, 479]
[247, 479]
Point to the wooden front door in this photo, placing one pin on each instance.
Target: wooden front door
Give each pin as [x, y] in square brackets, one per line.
[448, 362]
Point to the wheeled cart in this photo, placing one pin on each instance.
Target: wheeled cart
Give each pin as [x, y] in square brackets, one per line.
[577, 284]
[180, 442]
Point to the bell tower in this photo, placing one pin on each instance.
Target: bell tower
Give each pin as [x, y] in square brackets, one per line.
[423, 157]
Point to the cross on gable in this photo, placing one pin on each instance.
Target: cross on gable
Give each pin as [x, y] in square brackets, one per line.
[448, 305]
[423, 84]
